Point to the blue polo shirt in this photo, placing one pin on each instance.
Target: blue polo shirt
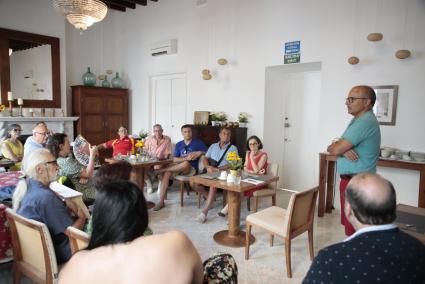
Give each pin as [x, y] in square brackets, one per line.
[31, 145]
[195, 145]
[363, 132]
[41, 204]
[215, 152]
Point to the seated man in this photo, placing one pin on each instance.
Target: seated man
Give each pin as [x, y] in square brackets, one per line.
[123, 145]
[378, 251]
[38, 138]
[159, 146]
[186, 158]
[34, 200]
[217, 154]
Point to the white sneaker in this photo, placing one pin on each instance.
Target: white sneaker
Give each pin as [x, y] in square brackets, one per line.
[201, 218]
[148, 186]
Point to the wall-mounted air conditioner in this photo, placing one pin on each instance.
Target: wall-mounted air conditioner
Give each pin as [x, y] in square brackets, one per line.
[164, 47]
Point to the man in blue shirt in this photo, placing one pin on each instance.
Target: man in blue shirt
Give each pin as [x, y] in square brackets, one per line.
[217, 152]
[34, 200]
[358, 148]
[186, 158]
[37, 140]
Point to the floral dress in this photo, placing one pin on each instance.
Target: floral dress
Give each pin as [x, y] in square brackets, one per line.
[71, 168]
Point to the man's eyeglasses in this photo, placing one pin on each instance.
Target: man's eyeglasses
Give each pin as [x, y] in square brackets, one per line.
[351, 99]
[42, 133]
[54, 162]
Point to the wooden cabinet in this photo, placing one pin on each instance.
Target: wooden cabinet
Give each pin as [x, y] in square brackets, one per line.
[209, 134]
[101, 110]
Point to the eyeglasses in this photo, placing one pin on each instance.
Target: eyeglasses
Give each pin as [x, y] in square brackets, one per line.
[253, 143]
[42, 133]
[17, 130]
[351, 99]
[54, 162]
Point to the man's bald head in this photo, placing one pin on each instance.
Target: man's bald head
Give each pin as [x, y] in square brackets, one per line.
[365, 92]
[372, 199]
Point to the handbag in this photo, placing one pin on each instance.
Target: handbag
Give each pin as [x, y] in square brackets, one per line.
[214, 163]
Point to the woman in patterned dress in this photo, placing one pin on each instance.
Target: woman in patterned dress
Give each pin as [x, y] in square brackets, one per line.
[81, 176]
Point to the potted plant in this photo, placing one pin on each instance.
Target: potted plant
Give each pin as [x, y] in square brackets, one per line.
[217, 118]
[143, 134]
[243, 119]
[236, 165]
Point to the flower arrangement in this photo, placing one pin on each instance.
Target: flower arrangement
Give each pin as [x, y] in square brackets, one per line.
[243, 117]
[218, 116]
[235, 161]
[143, 134]
[2, 108]
[139, 144]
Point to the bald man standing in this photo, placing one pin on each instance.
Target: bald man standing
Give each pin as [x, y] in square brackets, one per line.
[358, 148]
[378, 252]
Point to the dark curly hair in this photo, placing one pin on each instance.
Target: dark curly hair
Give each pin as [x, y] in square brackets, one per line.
[53, 143]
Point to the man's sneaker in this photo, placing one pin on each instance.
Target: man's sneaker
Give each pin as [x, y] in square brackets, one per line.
[201, 218]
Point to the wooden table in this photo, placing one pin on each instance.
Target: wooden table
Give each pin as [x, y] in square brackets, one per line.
[6, 164]
[139, 168]
[327, 173]
[414, 216]
[233, 237]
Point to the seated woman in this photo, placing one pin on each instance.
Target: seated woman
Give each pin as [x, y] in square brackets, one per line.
[119, 253]
[255, 163]
[11, 148]
[81, 176]
[34, 200]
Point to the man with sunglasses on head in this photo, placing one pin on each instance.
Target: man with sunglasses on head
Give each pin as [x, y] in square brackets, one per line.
[186, 158]
[358, 148]
[38, 139]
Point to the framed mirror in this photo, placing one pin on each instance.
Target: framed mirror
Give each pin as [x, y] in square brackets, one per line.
[30, 69]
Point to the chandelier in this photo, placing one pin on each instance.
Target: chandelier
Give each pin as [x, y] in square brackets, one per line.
[81, 13]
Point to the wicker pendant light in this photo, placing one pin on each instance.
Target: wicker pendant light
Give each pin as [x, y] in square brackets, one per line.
[81, 13]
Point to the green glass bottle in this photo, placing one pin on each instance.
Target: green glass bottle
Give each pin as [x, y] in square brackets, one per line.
[105, 83]
[89, 79]
[117, 82]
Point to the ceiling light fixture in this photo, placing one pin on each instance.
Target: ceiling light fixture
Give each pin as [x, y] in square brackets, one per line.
[81, 13]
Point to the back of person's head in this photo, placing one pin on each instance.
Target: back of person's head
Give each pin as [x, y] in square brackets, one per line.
[119, 215]
[29, 168]
[53, 143]
[372, 199]
[110, 172]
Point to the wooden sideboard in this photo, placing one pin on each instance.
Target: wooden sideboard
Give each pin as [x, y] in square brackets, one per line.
[327, 164]
[102, 111]
[209, 134]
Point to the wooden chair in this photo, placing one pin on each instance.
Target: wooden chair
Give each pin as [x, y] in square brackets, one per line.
[184, 182]
[270, 190]
[78, 239]
[288, 224]
[33, 251]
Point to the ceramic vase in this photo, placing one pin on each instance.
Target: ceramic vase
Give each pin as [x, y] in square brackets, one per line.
[105, 83]
[117, 82]
[89, 79]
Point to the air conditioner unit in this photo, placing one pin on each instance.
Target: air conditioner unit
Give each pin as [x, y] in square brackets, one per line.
[164, 47]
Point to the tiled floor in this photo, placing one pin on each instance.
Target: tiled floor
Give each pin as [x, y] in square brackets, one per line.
[266, 264]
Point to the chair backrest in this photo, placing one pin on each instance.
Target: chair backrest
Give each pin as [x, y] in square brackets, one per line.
[272, 169]
[33, 250]
[300, 212]
[78, 239]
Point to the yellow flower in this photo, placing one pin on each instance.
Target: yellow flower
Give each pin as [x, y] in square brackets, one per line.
[2, 107]
[139, 144]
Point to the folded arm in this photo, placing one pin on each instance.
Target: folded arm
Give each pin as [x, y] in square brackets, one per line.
[344, 148]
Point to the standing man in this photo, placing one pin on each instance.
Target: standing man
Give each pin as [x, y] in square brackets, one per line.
[216, 161]
[122, 145]
[38, 138]
[358, 148]
[378, 252]
[186, 158]
[159, 146]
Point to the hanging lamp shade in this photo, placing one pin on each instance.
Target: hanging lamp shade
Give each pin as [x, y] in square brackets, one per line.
[81, 13]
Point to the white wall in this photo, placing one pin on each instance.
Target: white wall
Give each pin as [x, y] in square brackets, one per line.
[250, 34]
[39, 17]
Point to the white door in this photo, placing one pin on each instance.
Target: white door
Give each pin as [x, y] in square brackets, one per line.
[169, 103]
[301, 112]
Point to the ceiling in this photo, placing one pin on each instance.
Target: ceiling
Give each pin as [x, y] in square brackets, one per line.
[122, 5]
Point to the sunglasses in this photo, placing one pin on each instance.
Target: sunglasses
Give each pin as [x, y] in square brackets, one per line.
[17, 130]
